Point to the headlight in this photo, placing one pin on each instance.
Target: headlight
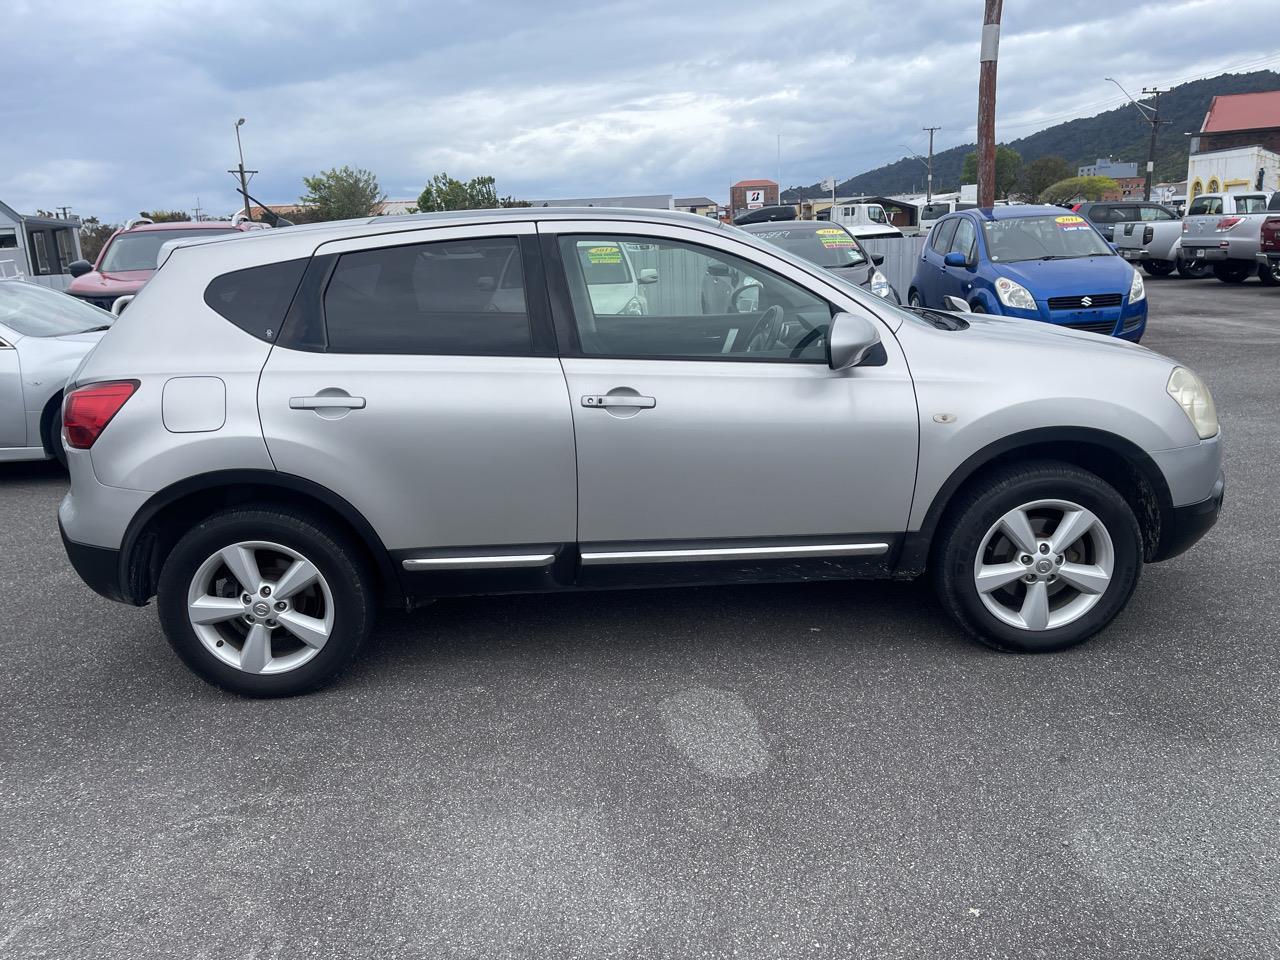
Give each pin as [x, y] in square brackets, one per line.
[1195, 400]
[880, 285]
[634, 307]
[1137, 289]
[1014, 294]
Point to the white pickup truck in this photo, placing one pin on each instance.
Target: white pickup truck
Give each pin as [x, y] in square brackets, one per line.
[866, 221]
[1225, 230]
[1155, 243]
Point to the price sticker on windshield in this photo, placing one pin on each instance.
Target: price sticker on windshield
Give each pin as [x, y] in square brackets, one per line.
[834, 237]
[1071, 223]
[604, 255]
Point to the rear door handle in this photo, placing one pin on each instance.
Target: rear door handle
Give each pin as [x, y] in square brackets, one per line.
[617, 400]
[330, 402]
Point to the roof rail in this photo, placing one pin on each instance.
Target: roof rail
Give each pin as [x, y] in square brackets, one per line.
[137, 220]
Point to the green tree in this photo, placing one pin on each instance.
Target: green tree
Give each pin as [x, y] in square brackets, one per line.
[165, 216]
[1008, 165]
[443, 192]
[94, 236]
[342, 194]
[1041, 173]
[1085, 188]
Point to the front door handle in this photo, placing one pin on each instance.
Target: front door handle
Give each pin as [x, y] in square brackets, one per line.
[327, 402]
[617, 400]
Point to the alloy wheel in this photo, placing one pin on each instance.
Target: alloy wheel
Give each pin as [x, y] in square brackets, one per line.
[1044, 565]
[260, 607]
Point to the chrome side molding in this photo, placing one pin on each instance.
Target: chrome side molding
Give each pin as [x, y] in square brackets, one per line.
[591, 558]
[478, 563]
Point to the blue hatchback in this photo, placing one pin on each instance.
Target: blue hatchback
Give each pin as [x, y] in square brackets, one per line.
[1037, 262]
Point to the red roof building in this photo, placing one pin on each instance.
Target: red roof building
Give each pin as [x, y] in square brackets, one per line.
[1242, 120]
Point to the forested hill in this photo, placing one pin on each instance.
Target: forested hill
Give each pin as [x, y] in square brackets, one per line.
[1118, 133]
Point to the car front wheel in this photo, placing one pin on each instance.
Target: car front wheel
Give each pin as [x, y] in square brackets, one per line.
[1037, 557]
[265, 602]
[913, 300]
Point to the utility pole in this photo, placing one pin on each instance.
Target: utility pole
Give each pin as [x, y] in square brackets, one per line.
[1155, 121]
[242, 172]
[928, 194]
[1151, 114]
[988, 55]
[66, 213]
[198, 211]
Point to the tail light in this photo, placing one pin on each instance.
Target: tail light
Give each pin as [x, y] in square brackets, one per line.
[87, 411]
[1226, 223]
[1271, 233]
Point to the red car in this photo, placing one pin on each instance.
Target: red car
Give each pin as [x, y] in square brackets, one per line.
[128, 259]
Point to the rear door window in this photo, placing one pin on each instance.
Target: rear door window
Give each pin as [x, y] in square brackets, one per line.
[1205, 206]
[256, 299]
[452, 297]
[966, 239]
[1250, 204]
[940, 242]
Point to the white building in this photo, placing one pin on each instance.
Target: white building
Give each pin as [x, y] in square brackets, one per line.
[38, 247]
[1233, 170]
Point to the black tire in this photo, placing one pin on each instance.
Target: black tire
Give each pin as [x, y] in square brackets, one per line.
[339, 563]
[914, 299]
[1158, 268]
[983, 503]
[977, 307]
[1269, 273]
[52, 427]
[1194, 269]
[1232, 272]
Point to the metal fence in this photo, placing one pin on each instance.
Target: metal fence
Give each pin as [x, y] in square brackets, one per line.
[900, 257]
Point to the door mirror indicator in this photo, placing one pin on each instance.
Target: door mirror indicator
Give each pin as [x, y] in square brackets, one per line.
[852, 337]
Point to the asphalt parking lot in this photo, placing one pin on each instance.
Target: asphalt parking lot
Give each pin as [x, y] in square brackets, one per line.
[774, 771]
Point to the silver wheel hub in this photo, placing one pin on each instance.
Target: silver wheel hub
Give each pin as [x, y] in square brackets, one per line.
[260, 607]
[1044, 565]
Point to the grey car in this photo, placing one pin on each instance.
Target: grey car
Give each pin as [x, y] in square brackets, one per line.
[289, 430]
[831, 246]
[44, 335]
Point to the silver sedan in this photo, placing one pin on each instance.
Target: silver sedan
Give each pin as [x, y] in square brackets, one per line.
[43, 337]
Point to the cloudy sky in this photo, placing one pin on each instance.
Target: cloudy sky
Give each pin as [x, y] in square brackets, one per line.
[113, 107]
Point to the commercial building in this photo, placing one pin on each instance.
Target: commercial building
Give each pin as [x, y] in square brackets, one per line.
[752, 195]
[1238, 146]
[702, 206]
[1106, 167]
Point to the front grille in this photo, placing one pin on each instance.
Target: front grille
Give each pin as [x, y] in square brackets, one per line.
[1108, 327]
[1078, 303]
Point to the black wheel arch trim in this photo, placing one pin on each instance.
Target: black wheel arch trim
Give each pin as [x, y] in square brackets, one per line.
[229, 479]
[917, 544]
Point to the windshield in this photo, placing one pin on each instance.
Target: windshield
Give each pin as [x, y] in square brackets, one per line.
[825, 246]
[37, 312]
[1043, 238]
[138, 251]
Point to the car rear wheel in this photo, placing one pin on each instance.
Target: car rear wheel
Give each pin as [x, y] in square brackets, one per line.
[913, 300]
[1232, 272]
[265, 602]
[1269, 273]
[1037, 557]
[1158, 268]
[53, 433]
[1194, 269]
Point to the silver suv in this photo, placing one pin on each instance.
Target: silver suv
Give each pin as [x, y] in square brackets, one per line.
[290, 429]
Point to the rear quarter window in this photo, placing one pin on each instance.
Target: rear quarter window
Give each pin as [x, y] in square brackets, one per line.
[256, 299]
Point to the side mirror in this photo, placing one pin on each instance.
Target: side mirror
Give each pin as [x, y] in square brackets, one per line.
[877, 259]
[78, 268]
[850, 339]
[1114, 248]
[120, 303]
[487, 283]
[956, 259]
[717, 269]
[955, 305]
[647, 275]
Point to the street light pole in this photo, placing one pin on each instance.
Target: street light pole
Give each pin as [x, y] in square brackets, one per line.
[1152, 116]
[988, 55]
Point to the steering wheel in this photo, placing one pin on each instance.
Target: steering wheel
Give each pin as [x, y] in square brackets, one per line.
[815, 333]
[766, 330]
